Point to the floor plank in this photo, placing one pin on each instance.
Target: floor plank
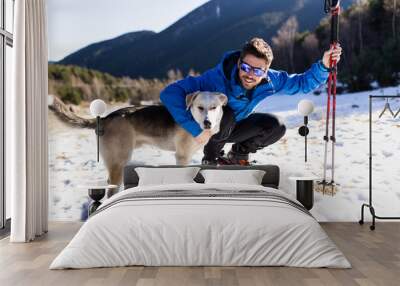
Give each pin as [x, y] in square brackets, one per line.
[374, 255]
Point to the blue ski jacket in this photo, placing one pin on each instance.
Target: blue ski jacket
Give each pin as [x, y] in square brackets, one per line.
[224, 78]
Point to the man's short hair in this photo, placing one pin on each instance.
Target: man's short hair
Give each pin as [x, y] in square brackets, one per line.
[258, 48]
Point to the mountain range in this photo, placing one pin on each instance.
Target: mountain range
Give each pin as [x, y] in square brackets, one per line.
[198, 40]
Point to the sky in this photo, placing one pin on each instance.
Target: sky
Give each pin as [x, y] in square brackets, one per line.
[74, 24]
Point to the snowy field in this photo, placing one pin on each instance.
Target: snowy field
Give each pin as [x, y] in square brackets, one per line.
[72, 157]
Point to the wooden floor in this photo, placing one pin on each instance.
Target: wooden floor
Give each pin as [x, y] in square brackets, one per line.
[374, 255]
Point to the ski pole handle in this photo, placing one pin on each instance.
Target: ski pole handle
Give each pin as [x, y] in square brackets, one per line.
[331, 4]
[335, 24]
[333, 7]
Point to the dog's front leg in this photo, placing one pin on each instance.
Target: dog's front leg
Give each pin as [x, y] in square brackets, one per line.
[185, 147]
[185, 151]
[182, 159]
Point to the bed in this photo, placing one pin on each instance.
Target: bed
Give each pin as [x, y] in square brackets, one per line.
[201, 224]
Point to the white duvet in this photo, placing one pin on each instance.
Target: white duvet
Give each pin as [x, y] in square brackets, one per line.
[206, 230]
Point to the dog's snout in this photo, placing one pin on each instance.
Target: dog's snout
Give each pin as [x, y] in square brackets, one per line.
[207, 124]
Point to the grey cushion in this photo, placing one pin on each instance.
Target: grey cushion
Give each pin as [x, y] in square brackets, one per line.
[270, 179]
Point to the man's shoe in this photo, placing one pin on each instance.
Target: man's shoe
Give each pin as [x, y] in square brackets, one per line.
[208, 161]
[226, 161]
[234, 159]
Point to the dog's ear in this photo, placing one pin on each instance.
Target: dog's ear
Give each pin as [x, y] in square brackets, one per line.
[223, 98]
[190, 98]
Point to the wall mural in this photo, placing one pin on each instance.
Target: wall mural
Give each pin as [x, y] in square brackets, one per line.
[129, 72]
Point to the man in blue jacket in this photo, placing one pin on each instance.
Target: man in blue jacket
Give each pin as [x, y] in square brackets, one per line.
[245, 77]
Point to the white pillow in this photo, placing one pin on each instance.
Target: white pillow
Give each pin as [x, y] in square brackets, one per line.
[248, 177]
[163, 176]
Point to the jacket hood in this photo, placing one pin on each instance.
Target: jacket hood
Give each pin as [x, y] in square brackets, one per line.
[229, 60]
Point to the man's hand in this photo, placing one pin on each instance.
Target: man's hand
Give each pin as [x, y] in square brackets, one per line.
[203, 137]
[336, 52]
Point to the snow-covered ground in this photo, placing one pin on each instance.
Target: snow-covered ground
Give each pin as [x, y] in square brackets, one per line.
[72, 157]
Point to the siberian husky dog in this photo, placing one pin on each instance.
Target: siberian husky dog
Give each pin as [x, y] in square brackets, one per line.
[131, 127]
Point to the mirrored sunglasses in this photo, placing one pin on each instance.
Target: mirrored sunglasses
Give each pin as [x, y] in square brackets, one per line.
[248, 68]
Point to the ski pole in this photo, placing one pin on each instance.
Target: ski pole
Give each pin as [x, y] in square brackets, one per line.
[335, 10]
[332, 6]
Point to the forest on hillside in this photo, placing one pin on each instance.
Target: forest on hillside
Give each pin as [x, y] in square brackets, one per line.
[369, 33]
[74, 84]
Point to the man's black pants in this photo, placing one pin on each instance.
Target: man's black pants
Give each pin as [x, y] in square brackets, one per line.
[255, 132]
